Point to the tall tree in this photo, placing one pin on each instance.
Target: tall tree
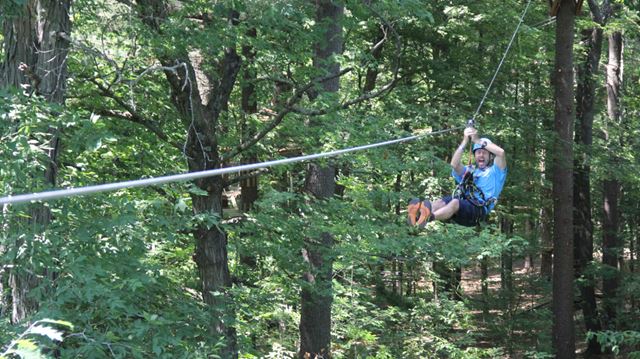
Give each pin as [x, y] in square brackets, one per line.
[249, 186]
[586, 74]
[201, 113]
[611, 186]
[317, 294]
[201, 77]
[36, 44]
[563, 331]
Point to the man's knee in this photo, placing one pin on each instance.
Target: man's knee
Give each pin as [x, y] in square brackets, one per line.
[439, 203]
[455, 204]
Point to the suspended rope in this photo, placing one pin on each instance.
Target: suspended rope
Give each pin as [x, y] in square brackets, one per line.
[71, 192]
[495, 74]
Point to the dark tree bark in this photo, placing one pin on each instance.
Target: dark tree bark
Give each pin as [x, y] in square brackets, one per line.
[35, 59]
[582, 215]
[611, 246]
[201, 97]
[249, 105]
[484, 285]
[249, 186]
[376, 53]
[506, 267]
[610, 249]
[19, 37]
[563, 327]
[202, 149]
[546, 240]
[546, 211]
[317, 294]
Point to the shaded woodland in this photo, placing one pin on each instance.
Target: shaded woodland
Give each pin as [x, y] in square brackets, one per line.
[314, 259]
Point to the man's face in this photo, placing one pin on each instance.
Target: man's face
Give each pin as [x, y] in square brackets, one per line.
[482, 157]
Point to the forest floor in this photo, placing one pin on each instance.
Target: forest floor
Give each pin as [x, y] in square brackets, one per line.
[521, 322]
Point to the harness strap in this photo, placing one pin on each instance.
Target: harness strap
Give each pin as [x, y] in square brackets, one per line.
[466, 190]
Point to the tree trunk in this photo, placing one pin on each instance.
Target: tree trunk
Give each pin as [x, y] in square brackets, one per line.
[19, 39]
[506, 272]
[484, 284]
[211, 242]
[545, 214]
[633, 257]
[610, 249]
[376, 53]
[562, 193]
[546, 241]
[317, 294]
[611, 186]
[582, 216]
[249, 186]
[529, 263]
[200, 112]
[35, 58]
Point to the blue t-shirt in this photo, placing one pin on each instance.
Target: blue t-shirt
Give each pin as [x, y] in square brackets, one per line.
[490, 180]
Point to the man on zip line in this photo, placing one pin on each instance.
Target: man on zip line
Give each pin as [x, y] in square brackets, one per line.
[478, 187]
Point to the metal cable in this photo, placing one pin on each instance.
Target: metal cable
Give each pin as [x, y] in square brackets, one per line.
[71, 192]
[495, 74]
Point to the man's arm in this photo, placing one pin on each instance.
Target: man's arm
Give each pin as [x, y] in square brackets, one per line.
[500, 159]
[456, 163]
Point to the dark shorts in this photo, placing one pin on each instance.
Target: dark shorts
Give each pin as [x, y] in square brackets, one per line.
[468, 214]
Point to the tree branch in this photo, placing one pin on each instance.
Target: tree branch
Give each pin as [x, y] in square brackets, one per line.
[368, 95]
[94, 52]
[125, 2]
[130, 114]
[364, 97]
[252, 174]
[288, 108]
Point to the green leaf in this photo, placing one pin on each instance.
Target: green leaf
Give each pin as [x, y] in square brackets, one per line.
[26, 349]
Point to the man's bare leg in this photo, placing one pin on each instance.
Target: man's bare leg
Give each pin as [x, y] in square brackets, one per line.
[443, 211]
[438, 204]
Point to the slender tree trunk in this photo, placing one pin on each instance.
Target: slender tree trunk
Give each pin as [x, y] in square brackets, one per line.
[632, 245]
[582, 217]
[529, 263]
[633, 249]
[249, 187]
[317, 294]
[546, 241]
[376, 53]
[610, 249]
[545, 215]
[506, 273]
[484, 284]
[563, 327]
[611, 186]
[398, 278]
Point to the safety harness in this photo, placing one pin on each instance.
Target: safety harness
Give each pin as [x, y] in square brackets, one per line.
[467, 189]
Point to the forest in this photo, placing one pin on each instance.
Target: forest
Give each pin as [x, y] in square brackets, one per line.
[313, 258]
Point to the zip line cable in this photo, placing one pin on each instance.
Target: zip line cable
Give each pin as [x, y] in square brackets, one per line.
[504, 56]
[72, 192]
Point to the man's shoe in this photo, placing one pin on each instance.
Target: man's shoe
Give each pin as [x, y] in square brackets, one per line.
[413, 211]
[426, 214]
